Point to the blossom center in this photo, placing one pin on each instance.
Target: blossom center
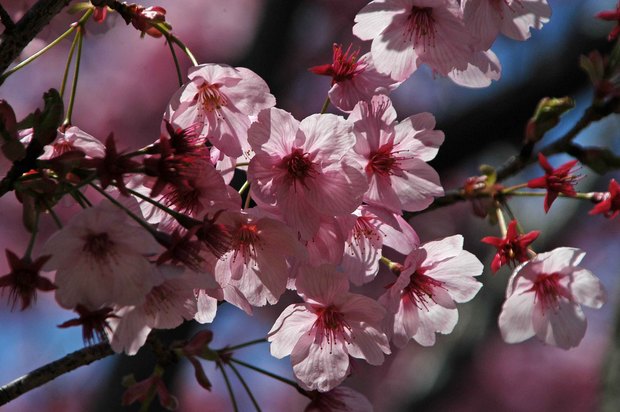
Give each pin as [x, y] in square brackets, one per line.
[421, 289]
[382, 161]
[211, 98]
[298, 165]
[421, 26]
[247, 240]
[345, 65]
[330, 325]
[548, 290]
[98, 245]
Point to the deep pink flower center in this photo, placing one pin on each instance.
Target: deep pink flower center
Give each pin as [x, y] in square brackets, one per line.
[345, 65]
[548, 290]
[298, 165]
[61, 147]
[98, 245]
[211, 98]
[382, 161]
[421, 26]
[246, 241]
[421, 289]
[330, 325]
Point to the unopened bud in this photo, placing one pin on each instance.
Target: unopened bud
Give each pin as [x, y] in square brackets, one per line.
[546, 117]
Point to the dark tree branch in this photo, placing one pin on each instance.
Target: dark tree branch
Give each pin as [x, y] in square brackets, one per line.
[6, 20]
[53, 370]
[12, 42]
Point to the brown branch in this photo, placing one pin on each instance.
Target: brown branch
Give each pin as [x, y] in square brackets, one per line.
[53, 370]
[6, 20]
[13, 41]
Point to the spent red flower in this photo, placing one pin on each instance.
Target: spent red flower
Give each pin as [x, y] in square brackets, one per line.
[612, 15]
[556, 181]
[112, 166]
[610, 204]
[511, 249]
[23, 280]
[93, 322]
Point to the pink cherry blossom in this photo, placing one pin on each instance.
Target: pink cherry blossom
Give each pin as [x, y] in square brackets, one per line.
[74, 138]
[482, 68]
[257, 261]
[101, 258]
[422, 300]
[485, 19]
[353, 79]
[221, 99]
[543, 298]
[304, 168]
[408, 33]
[330, 326]
[395, 155]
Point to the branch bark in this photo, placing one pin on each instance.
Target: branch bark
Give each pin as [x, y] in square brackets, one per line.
[53, 370]
[13, 41]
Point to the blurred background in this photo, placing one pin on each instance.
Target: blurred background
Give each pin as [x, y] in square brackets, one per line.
[125, 83]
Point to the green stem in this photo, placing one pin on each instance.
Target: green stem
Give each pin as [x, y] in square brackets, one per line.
[582, 196]
[33, 236]
[155, 203]
[129, 212]
[63, 85]
[501, 221]
[248, 199]
[325, 105]
[245, 187]
[38, 54]
[166, 32]
[267, 373]
[246, 387]
[243, 345]
[76, 74]
[507, 190]
[176, 61]
[228, 386]
[53, 214]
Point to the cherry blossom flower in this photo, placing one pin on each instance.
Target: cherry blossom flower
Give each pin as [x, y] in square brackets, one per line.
[340, 399]
[543, 298]
[422, 300]
[304, 168]
[94, 323]
[221, 99]
[556, 181]
[609, 206]
[408, 33]
[24, 280]
[100, 258]
[395, 155]
[353, 79]
[612, 15]
[73, 138]
[257, 260]
[482, 68]
[330, 326]
[512, 248]
[485, 19]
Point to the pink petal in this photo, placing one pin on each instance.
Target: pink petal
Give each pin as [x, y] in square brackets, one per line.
[292, 324]
[515, 320]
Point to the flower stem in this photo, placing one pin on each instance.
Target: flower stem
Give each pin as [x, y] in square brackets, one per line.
[325, 105]
[176, 61]
[48, 47]
[245, 386]
[33, 236]
[508, 190]
[245, 187]
[63, 85]
[76, 74]
[501, 221]
[243, 345]
[267, 373]
[228, 386]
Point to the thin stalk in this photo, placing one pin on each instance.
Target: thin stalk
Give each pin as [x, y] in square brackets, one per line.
[129, 212]
[33, 236]
[164, 30]
[501, 221]
[243, 345]
[155, 203]
[53, 214]
[325, 105]
[509, 189]
[63, 85]
[245, 187]
[229, 387]
[38, 54]
[246, 387]
[76, 74]
[581, 196]
[176, 61]
[248, 199]
[266, 373]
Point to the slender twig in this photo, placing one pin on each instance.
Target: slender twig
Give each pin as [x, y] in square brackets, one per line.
[33, 236]
[76, 75]
[63, 85]
[244, 345]
[53, 370]
[13, 42]
[325, 105]
[231, 393]
[176, 61]
[271, 375]
[245, 386]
